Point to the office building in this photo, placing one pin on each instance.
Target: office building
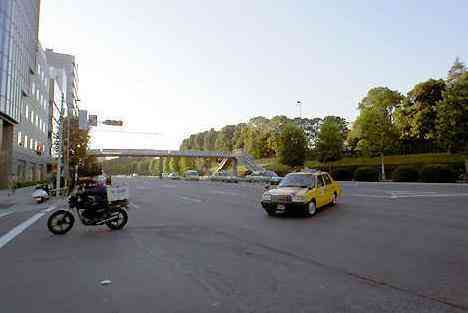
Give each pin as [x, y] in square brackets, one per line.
[32, 153]
[19, 23]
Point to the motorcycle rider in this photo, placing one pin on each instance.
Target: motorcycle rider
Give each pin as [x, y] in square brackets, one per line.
[98, 191]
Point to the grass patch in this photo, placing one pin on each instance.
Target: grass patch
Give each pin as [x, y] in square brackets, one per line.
[411, 159]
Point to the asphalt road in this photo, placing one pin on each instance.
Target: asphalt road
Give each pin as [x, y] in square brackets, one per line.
[209, 247]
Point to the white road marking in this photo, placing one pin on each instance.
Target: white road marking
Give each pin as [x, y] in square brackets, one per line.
[230, 193]
[50, 209]
[134, 205]
[190, 199]
[410, 195]
[169, 186]
[23, 226]
[369, 196]
[6, 213]
[19, 229]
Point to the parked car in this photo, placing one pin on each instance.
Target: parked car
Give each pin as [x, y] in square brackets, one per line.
[265, 177]
[301, 192]
[192, 175]
[173, 175]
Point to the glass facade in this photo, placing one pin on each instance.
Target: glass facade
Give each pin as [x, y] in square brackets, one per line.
[19, 21]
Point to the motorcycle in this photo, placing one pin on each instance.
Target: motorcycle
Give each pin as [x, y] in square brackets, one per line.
[91, 212]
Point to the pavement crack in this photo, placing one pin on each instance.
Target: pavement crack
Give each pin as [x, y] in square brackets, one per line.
[365, 278]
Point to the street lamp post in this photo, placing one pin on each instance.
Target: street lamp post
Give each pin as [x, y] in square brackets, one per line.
[299, 104]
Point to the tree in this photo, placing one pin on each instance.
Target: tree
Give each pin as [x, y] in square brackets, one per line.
[78, 147]
[291, 146]
[239, 136]
[452, 117]
[376, 120]
[224, 140]
[209, 140]
[416, 115]
[330, 141]
[456, 71]
[175, 164]
[311, 128]
[187, 164]
[340, 122]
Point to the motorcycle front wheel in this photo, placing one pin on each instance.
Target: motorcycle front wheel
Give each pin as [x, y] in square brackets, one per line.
[60, 222]
[120, 221]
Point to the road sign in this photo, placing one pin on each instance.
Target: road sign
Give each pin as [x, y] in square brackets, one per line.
[113, 123]
[92, 120]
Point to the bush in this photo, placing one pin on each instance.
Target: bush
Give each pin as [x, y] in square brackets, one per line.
[366, 174]
[405, 174]
[438, 174]
[279, 168]
[342, 174]
[29, 183]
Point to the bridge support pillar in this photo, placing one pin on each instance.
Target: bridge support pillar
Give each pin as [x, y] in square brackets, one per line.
[234, 167]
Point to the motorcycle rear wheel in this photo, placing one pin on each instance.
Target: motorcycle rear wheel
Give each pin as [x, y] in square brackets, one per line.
[120, 222]
[60, 222]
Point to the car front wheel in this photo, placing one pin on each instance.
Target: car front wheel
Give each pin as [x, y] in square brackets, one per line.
[311, 208]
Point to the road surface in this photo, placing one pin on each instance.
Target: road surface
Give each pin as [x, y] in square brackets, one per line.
[209, 247]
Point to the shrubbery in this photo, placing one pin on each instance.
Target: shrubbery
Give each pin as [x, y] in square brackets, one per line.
[279, 169]
[405, 174]
[29, 183]
[366, 174]
[342, 174]
[438, 174]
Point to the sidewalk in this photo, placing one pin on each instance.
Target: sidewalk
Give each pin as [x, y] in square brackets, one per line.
[22, 197]
[22, 201]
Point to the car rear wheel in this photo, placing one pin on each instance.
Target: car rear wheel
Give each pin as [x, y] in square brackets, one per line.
[311, 209]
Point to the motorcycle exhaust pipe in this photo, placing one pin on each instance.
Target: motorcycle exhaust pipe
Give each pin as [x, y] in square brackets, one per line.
[108, 220]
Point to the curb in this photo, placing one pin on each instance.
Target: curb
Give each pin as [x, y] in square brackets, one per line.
[401, 183]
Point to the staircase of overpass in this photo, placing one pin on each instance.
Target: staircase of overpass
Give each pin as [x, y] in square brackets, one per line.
[227, 158]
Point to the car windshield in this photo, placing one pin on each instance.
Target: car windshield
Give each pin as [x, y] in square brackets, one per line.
[298, 180]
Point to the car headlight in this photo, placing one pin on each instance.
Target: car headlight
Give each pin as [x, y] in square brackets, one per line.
[297, 198]
[267, 196]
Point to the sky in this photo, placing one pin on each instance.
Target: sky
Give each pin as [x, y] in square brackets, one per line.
[172, 68]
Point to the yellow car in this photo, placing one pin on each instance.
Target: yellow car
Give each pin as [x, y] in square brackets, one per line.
[304, 192]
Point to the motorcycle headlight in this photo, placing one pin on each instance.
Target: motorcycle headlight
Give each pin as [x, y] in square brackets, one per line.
[267, 196]
[297, 198]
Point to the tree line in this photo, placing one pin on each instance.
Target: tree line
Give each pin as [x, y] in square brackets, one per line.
[431, 117]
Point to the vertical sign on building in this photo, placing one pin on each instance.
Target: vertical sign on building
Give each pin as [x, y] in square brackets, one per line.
[83, 120]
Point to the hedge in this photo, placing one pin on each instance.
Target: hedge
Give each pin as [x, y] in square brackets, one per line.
[342, 174]
[30, 183]
[438, 174]
[405, 174]
[370, 174]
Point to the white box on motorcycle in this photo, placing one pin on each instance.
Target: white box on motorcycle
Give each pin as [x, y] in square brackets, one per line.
[117, 193]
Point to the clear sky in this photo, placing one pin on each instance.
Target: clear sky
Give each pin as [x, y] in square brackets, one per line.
[178, 67]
